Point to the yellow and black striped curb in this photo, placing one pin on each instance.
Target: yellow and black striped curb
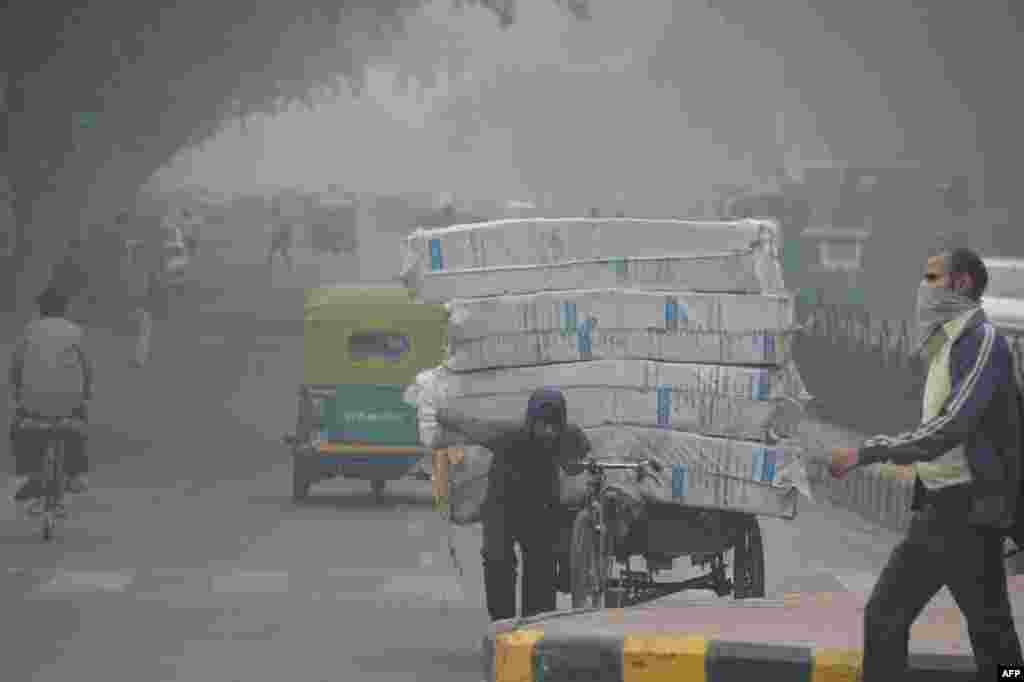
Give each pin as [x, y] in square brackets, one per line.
[533, 655]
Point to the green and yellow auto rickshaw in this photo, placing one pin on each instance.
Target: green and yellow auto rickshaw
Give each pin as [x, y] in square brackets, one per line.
[362, 347]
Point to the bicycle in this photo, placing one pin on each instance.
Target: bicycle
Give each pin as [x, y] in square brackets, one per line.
[592, 556]
[57, 429]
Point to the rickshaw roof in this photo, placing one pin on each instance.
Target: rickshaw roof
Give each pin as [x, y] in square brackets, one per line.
[360, 302]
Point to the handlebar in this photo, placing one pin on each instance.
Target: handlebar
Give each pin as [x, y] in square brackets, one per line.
[37, 423]
[595, 465]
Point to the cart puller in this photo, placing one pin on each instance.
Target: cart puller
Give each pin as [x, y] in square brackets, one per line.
[522, 494]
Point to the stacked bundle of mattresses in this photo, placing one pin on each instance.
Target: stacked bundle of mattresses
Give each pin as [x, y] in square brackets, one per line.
[670, 339]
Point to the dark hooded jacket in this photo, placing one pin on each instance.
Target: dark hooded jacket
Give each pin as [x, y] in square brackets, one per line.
[523, 473]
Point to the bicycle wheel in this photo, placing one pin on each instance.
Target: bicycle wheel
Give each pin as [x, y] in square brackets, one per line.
[377, 487]
[54, 486]
[612, 596]
[586, 562]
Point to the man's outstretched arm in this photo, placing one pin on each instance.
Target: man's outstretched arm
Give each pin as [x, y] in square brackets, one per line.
[484, 432]
[981, 360]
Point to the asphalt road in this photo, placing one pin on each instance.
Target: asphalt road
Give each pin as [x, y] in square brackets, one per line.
[188, 561]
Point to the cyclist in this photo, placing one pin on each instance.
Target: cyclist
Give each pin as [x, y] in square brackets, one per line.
[281, 239]
[522, 495]
[191, 227]
[50, 376]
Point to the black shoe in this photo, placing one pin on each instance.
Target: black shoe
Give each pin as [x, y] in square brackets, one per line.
[562, 581]
[76, 484]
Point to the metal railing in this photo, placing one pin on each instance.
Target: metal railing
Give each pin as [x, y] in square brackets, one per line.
[862, 370]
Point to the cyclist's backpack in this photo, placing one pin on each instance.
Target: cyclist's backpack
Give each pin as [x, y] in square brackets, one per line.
[52, 375]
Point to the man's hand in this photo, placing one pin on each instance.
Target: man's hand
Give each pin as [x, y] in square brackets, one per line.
[842, 460]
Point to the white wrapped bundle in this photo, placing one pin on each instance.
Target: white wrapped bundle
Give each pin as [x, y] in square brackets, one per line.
[513, 331]
[736, 402]
[712, 473]
[546, 241]
[742, 272]
[527, 256]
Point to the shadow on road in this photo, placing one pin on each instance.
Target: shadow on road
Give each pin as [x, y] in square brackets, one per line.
[422, 661]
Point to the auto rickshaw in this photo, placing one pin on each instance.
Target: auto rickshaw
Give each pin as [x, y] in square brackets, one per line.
[362, 347]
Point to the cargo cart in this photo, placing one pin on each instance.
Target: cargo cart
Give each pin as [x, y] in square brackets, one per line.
[599, 540]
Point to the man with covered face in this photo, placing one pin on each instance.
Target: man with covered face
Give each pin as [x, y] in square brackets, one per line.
[522, 504]
[966, 455]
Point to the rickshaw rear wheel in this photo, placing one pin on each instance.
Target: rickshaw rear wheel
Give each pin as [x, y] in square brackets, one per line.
[748, 561]
[300, 484]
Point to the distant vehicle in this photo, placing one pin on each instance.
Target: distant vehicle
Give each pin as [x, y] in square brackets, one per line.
[1004, 296]
[333, 225]
[362, 347]
[175, 258]
[1005, 277]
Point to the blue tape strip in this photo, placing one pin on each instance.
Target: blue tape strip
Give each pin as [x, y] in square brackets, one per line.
[569, 319]
[664, 394]
[679, 482]
[771, 460]
[671, 313]
[436, 259]
[765, 463]
[764, 385]
[584, 342]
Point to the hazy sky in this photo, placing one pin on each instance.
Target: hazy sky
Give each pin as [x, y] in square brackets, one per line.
[658, 101]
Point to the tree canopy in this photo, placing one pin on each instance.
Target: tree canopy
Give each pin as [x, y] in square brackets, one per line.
[98, 96]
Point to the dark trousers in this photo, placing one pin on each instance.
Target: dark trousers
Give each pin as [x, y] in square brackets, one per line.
[29, 447]
[941, 551]
[536, 539]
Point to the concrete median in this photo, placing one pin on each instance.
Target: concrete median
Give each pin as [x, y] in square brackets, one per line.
[798, 638]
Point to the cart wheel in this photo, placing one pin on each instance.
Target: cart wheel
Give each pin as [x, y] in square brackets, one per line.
[748, 562]
[300, 485]
[378, 489]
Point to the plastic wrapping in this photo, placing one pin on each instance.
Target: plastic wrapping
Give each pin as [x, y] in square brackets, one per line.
[719, 400]
[704, 472]
[547, 241]
[534, 329]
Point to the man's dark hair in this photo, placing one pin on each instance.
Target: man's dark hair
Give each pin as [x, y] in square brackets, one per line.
[52, 303]
[961, 261]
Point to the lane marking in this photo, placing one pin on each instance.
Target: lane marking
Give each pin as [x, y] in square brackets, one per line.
[250, 582]
[88, 581]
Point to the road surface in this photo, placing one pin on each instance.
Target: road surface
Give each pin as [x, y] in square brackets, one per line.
[188, 561]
